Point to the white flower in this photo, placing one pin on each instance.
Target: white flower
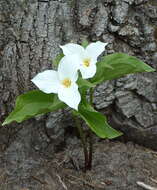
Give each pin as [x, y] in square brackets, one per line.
[87, 56]
[61, 82]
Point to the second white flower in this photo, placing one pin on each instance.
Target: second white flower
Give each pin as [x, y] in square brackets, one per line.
[87, 56]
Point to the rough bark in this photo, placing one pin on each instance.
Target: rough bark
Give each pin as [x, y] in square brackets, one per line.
[31, 32]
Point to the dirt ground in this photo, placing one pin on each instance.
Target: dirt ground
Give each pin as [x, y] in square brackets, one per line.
[116, 166]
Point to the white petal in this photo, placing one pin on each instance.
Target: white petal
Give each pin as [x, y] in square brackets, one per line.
[88, 72]
[70, 96]
[68, 67]
[95, 49]
[47, 81]
[71, 48]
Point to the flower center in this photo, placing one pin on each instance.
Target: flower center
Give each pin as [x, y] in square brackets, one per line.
[66, 83]
[86, 62]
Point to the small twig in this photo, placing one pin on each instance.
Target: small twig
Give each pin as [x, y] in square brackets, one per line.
[63, 184]
[154, 180]
[39, 180]
[145, 186]
[90, 184]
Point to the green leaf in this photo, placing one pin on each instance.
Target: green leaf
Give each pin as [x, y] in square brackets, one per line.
[97, 122]
[84, 83]
[118, 65]
[58, 58]
[85, 43]
[33, 103]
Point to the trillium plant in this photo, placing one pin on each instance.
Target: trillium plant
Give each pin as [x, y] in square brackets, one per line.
[72, 84]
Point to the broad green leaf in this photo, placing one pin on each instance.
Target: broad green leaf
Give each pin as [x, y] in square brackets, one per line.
[33, 103]
[85, 43]
[97, 122]
[118, 65]
[58, 58]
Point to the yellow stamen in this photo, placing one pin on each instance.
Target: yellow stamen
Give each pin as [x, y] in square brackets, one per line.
[86, 62]
[66, 83]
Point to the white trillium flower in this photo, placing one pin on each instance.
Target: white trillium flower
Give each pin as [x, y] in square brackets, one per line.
[87, 56]
[61, 82]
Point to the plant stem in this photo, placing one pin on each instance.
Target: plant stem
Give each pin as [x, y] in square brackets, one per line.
[90, 155]
[91, 91]
[83, 140]
[87, 154]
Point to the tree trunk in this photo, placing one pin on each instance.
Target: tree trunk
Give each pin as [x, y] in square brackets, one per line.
[31, 32]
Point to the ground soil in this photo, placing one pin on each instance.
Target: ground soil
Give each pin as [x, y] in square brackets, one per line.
[116, 166]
